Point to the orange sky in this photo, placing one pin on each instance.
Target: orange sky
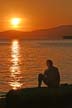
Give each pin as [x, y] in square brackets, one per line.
[35, 14]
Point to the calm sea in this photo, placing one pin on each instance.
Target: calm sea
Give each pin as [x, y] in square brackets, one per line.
[22, 60]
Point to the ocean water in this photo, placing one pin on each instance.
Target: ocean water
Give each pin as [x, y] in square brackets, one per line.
[22, 60]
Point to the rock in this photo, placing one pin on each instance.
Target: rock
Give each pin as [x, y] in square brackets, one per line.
[39, 97]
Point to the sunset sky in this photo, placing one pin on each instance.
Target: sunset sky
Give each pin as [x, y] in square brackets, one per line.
[35, 14]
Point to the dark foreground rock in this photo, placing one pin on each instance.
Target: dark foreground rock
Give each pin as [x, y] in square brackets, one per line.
[40, 97]
[3, 103]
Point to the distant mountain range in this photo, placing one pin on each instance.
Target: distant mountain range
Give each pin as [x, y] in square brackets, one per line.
[56, 33]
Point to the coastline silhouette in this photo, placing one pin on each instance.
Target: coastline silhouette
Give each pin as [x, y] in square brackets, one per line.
[51, 76]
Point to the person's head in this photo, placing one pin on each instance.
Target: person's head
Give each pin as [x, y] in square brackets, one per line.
[49, 63]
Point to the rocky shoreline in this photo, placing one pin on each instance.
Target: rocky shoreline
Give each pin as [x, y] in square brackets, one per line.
[39, 97]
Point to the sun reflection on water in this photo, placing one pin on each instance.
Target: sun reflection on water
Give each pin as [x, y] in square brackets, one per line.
[15, 68]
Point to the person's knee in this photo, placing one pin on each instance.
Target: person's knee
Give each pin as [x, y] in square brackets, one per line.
[40, 76]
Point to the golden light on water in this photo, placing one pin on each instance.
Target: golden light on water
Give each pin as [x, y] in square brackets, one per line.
[15, 68]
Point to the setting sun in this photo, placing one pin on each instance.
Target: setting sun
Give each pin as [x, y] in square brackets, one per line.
[15, 22]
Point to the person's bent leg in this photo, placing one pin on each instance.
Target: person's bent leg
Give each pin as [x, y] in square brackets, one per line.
[40, 79]
[45, 80]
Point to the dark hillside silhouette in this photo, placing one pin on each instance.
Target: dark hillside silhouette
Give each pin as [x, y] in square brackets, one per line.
[56, 33]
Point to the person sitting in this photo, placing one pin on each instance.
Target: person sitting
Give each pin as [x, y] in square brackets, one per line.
[51, 76]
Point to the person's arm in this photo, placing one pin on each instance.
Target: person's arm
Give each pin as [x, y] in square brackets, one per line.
[45, 73]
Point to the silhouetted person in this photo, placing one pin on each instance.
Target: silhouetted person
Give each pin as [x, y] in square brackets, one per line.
[51, 76]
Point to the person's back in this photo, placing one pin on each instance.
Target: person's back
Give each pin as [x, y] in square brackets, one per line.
[51, 76]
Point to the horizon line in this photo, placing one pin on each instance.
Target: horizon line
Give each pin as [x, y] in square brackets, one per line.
[37, 29]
